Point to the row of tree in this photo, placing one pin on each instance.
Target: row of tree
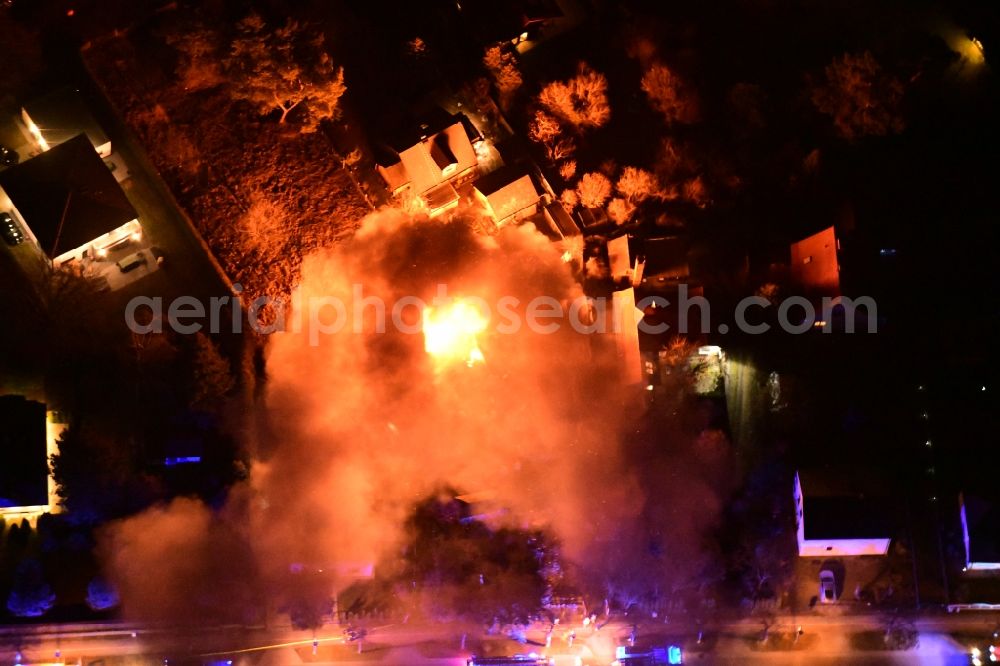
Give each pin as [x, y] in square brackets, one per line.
[859, 96]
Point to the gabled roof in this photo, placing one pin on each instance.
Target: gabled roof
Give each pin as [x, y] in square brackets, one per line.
[25, 471]
[420, 155]
[508, 190]
[70, 177]
[405, 132]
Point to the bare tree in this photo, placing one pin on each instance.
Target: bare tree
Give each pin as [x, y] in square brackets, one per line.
[636, 185]
[504, 72]
[543, 128]
[861, 98]
[746, 103]
[569, 199]
[594, 189]
[641, 48]
[547, 131]
[620, 210]
[674, 167]
[284, 68]
[198, 65]
[265, 226]
[581, 102]
[695, 191]
[668, 94]
[567, 170]
[561, 149]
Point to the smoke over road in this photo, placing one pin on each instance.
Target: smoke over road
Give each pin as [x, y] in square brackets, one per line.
[358, 425]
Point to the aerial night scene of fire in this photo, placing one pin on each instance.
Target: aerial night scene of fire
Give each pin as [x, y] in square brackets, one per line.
[499, 332]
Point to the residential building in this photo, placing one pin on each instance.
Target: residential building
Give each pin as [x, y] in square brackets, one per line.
[514, 21]
[69, 202]
[816, 264]
[666, 261]
[594, 220]
[626, 317]
[835, 517]
[508, 194]
[625, 266]
[980, 519]
[559, 223]
[431, 160]
[28, 438]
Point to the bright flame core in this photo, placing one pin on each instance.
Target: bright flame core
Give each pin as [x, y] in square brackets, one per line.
[450, 332]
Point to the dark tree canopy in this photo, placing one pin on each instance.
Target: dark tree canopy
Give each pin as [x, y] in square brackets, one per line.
[211, 377]
[471, 570]
[30, 595]
[860, 97]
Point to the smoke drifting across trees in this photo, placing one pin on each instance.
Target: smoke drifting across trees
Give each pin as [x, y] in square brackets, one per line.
[360, 426]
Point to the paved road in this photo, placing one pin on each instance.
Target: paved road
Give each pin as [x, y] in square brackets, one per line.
[825, 641]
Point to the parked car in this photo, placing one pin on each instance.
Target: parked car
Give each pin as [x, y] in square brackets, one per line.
[131, 262]
[9, 230]
[827, 587]
[8, 157]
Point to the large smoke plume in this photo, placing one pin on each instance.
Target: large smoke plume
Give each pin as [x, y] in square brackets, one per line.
[359, 425]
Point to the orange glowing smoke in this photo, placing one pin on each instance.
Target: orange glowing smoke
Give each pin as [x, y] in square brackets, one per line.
[451, 330]
[354, 429]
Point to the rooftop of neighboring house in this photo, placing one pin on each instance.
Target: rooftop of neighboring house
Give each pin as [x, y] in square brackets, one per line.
[665, 256]
[24, 472]
[982, 522]
[556, 223]
[845, 502]
[508, 190]
[815, 265]
[503, 21]
[67, 196]
[429, 151]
